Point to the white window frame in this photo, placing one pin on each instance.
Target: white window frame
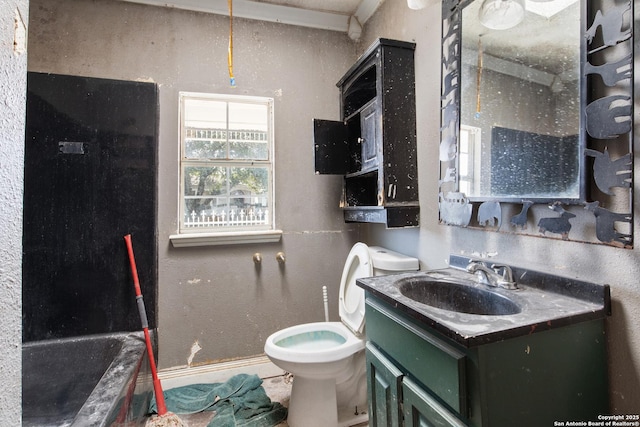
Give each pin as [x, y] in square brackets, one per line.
[472, 156]
[207, 234]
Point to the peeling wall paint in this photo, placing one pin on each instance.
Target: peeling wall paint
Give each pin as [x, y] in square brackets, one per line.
[19, 34]
[194, 349]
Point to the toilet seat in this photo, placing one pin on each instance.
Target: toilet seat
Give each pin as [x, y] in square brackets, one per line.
[289, 344]
[351, 305]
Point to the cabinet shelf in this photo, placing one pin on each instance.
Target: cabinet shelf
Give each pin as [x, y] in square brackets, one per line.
[392, 216]
[360, 91]
[373, 172]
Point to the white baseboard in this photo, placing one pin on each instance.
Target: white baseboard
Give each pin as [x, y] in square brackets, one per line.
[218, 372]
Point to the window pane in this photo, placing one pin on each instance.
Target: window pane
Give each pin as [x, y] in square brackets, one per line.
[464, 141]
[205, 114]
[205, 128]
[248, 145]
[249, 187]
[205, 144]
[248, 195]
[248, 116]
[464, 164]
[248, 131]
[204, 189]
[464, 187]
[226, 196]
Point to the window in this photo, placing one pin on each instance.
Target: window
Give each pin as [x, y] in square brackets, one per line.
[226, 166]
[468, 160]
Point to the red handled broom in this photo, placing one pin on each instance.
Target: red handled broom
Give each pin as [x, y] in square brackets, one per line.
[164, 418]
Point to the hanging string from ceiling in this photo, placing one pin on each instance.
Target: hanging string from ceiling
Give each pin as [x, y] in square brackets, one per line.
[232, 79]
[479, 77]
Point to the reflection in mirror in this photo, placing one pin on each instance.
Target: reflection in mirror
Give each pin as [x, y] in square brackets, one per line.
[520, 130]
[520, 133]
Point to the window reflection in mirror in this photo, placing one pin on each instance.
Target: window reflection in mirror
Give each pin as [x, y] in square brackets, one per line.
[520, 103]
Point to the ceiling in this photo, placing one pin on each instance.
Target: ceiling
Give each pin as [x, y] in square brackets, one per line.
[350, 15]
[324, 14]
[548, 43]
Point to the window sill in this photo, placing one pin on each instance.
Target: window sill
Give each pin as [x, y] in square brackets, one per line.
[225, 238]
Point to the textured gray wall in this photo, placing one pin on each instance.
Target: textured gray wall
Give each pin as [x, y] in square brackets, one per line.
[214, 296]
[432, 243]
[13, 82]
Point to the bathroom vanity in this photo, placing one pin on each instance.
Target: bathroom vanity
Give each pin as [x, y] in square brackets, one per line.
[374, 144]
[445, 350]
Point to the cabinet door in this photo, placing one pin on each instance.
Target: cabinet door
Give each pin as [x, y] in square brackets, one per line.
[370, 135]
[384, 384]
[331, 148]
[422, 410]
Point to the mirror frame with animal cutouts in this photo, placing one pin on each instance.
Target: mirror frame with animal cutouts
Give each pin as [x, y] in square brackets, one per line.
[605, 214]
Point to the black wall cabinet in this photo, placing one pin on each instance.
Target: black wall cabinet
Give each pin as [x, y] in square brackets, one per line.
[374, 143]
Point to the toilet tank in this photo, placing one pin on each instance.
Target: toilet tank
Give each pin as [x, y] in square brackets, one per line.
[386, 261]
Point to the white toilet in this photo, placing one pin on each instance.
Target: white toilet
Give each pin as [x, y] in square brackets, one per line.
[327, 358]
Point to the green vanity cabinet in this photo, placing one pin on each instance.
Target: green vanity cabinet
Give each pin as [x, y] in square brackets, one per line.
[532, 380]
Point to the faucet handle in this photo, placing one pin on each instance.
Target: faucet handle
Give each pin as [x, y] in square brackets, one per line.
[506, 273]
[503, 270]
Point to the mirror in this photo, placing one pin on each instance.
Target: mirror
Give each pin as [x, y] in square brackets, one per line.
[520, 101]
[521, 133]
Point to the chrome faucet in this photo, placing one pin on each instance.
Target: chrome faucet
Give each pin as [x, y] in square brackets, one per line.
[495, 276]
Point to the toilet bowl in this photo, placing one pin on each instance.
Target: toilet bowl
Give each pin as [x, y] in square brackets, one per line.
[327, 358]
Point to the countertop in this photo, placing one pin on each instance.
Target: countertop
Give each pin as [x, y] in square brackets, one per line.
[546, 302]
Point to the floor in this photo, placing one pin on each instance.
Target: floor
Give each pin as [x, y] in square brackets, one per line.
[277, 388]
